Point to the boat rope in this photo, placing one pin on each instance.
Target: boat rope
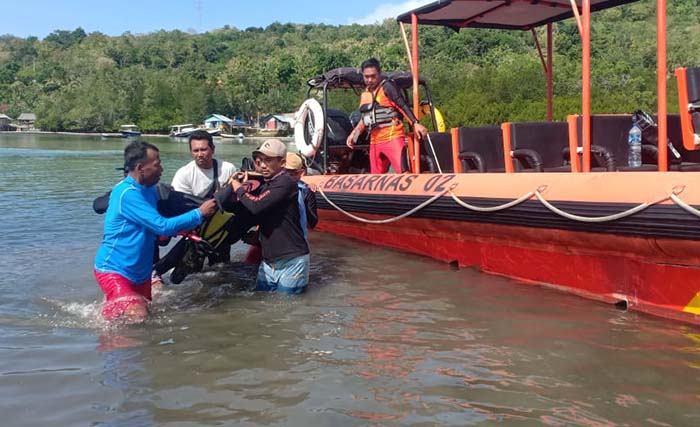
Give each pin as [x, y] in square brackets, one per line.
[491, 208]
[537, 193]
[677, 200]
[387, 220]
[594, 219]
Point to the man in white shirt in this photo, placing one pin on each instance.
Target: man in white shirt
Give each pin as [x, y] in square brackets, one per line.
[202, 177]
[197, 177]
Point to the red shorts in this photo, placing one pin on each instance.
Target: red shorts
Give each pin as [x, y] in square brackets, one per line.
[120, 293]
[380, 155]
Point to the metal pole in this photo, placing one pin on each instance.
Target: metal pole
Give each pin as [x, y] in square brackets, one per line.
[325, 138]
[416, 93]
[405, 43]
[661, 82]
[550, 91]
[586, 80]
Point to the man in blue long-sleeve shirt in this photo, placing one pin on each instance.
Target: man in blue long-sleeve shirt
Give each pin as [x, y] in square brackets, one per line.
[125, 258]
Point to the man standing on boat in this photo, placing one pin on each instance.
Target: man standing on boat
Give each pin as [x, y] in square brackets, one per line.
[125, 258]
[382, 107]
[275, 206]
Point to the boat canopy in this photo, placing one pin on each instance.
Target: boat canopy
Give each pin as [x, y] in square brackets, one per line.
[503, 14]
[351, 78]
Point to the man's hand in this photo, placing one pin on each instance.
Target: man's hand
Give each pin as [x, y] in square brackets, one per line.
[420, 130]
[238, 179]
[208, 208]
[350, 142]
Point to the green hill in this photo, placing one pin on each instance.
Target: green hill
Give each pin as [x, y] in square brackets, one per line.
[93, 82]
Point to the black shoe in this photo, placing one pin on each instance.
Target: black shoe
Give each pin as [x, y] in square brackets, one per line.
[178, 275]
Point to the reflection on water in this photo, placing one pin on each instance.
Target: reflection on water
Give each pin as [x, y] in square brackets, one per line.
[381, 338]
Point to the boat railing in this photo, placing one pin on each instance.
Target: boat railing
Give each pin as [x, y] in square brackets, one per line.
[689, 106]
[556, 146]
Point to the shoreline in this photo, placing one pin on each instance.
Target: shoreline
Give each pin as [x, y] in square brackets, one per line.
[46, 132]
[99, 134]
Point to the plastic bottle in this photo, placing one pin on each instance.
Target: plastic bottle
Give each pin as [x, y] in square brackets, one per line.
[634, 139]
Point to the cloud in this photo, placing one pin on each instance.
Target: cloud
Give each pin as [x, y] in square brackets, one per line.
[389, 10]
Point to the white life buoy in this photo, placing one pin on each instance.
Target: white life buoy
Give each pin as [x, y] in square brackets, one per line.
[309, 121]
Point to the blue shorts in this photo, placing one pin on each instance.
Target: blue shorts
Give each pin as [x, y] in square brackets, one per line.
[289, 276]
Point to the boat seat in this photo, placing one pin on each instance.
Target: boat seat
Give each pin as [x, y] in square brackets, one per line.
[610, 131]
[442, 142]
[481, 149]
[538, 146]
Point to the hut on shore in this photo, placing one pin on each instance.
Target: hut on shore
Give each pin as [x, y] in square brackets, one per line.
[26, 121]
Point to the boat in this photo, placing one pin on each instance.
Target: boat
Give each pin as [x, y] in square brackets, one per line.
[111, 135]
[239, 135]
[269, 133]
[125, 131]
[181, 131]
[129, 131]
[543, 203]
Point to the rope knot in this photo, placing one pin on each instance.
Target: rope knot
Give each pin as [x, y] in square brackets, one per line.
[678, 189]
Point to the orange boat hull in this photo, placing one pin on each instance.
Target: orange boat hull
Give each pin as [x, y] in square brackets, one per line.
[648, 261]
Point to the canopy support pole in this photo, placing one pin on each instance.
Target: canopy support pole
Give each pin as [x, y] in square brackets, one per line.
[539, 49]
[574, 7]
[416, 93]
[546, 65]
[405, 43]
[661, 83]
[550, 64]
[586, 83]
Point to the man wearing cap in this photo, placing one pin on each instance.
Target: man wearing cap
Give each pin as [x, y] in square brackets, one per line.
[274, 206]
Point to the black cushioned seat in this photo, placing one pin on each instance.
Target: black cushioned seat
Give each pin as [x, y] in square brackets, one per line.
[547, 139]
[481, 149]
[611, 131]
[442, 142]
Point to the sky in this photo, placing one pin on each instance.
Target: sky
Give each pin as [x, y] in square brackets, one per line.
[39, 18]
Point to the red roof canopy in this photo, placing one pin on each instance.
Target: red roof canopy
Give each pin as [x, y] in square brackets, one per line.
[503, 14]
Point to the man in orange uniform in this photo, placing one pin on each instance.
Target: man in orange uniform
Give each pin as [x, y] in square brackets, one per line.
[382, 107]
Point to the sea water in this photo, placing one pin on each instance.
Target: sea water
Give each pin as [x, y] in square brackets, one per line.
[381, 338]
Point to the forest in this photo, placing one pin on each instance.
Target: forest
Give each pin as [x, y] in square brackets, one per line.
[76, 81]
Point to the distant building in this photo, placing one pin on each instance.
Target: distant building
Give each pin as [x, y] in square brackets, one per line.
[26, 121]
[217, 121]
[5, 122]
[278, 121]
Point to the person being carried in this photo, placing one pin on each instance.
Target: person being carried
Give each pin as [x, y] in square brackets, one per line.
[382, 107]
[125, 257]
[275, 207]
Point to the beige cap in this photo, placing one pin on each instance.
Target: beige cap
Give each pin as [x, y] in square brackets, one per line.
[294, 162]
[272, 148]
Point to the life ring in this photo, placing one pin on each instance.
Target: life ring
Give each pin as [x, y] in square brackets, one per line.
[309, 123]
[439, 120]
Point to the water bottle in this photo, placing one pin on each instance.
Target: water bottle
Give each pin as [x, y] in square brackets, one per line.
[634, 139]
